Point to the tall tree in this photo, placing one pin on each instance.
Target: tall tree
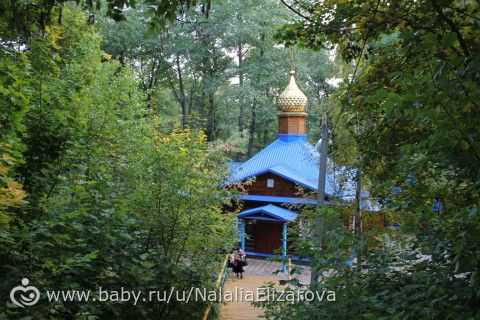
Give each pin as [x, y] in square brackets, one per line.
[416, 104]
[109, 192]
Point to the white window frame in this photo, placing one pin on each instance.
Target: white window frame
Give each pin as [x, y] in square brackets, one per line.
[270, 183]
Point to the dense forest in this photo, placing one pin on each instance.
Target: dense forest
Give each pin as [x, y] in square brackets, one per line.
[118, 119]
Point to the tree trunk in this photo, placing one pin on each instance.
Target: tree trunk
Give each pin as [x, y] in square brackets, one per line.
[251, 132]
[212, 71]
[358, 202]
[181, 95]
[211, 127]
[318, 223]
[241, 120]
[358, 224]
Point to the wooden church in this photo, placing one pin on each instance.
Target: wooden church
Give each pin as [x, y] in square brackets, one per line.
[278, 170]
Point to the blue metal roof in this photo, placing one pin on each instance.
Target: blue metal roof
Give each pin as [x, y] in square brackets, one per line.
[252, 197]
[233, 165]
[292, 137]
[269, 212]
[294, 159]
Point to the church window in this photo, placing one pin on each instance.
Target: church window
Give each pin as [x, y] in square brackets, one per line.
[270, 183]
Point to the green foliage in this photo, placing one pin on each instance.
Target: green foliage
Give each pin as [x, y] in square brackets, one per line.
[25, 18]
[12, 194]
[14, 99]
[414, 104]
[220, 70]
[112, 200]
[395, 283]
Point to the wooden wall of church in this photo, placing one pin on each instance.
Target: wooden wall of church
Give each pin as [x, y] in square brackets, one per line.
[282, 187]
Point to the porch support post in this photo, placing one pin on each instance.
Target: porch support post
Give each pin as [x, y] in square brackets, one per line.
[242, 236]
[284, 251]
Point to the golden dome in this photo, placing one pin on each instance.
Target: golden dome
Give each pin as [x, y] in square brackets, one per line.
[292, 99]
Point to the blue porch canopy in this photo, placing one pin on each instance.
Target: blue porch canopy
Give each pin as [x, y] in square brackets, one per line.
[269, 212]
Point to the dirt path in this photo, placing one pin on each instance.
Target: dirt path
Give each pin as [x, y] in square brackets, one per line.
[257, 273]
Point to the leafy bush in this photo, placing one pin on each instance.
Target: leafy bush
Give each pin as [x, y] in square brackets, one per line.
[112, 202]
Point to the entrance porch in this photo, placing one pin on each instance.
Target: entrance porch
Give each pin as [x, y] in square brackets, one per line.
[263, 231]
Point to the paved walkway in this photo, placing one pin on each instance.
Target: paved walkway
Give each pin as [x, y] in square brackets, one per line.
[257, 273]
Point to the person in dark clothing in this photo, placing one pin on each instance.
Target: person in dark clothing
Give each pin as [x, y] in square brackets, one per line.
[237, 259]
